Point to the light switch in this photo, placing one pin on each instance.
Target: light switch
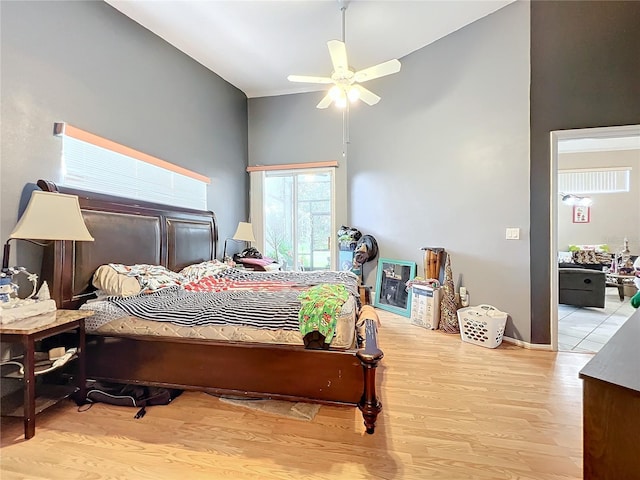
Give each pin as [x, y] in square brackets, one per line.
[513, 234]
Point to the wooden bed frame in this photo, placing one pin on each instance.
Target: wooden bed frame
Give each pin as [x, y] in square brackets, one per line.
[129, 231]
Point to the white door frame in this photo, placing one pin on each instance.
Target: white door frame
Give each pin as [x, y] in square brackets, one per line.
[556, 136]
[256, 201]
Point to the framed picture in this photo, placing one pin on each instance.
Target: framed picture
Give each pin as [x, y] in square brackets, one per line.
[391, 288]
[581, 214]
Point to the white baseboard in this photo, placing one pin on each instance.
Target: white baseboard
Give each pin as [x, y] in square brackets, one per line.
[531, 346]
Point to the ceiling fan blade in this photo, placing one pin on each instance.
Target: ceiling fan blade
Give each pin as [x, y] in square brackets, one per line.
[325, 102]
[338, 52]
[377, 71]
[367, 96]
[308, 79]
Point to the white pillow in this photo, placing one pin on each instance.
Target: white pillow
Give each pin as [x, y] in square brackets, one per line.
[565, 257]
[111, 282]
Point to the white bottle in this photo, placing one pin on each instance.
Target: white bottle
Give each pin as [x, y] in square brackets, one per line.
[464, 297]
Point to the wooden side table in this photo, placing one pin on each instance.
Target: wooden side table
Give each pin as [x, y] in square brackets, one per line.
[27, 331]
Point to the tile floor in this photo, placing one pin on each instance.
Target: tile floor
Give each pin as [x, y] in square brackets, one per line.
[586, 329]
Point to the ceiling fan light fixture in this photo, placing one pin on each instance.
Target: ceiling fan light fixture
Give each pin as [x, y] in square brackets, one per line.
[353, 94]
[335, 92]
[346, 81]
[571, 199]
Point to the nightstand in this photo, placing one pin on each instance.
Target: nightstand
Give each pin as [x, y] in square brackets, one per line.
[27, 331]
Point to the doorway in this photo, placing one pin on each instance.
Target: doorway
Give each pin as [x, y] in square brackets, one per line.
[604, 139]
[298, 218]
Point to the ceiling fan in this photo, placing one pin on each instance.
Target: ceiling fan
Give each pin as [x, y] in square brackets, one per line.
[346, 81]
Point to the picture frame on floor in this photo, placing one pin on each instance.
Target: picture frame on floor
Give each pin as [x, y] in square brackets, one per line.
[391, 285]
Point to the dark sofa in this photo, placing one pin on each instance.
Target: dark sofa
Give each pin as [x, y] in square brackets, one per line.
[589, 266]
[582, 287]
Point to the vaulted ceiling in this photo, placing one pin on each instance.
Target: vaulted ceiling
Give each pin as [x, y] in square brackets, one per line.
[255, 45]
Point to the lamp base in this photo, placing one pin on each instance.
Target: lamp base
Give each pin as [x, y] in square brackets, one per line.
[5, 257]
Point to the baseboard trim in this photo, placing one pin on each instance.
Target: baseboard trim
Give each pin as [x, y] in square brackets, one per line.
[531, 346]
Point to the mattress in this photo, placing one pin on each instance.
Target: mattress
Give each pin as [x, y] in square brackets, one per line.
[111, 320]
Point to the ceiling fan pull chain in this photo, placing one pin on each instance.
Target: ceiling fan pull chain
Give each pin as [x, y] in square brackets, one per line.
[345, 112]
[345, 126]
[343, 8]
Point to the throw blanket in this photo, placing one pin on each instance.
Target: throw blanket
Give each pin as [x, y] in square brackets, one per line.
[320, 308]
[268, 307]
[221, 284]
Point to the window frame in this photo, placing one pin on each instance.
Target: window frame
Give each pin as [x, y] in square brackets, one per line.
[582, 181]
[94, 163]
[258, 175]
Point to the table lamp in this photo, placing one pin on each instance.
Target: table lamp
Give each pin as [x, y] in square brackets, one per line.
[244, 233]
[49, 216]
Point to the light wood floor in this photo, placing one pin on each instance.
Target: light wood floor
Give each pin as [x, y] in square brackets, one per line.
[452, 410]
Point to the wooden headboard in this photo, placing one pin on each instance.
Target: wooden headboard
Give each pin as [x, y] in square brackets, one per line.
[126, 231]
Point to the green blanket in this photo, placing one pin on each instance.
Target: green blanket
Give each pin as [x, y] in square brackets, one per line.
[320, 307]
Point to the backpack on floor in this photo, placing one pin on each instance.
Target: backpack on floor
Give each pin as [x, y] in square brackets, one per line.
[129, 395]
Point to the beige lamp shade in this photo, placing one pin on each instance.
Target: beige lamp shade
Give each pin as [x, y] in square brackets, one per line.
[244, 232]
[52, 216]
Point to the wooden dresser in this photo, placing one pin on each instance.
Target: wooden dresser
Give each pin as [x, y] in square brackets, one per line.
[611, 407]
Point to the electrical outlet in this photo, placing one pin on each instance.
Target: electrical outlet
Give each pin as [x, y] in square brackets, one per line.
[513, 234]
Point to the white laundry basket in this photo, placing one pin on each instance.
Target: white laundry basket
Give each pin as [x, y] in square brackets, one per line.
[482, 325]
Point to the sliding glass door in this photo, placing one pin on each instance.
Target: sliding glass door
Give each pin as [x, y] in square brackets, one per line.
[298, 215]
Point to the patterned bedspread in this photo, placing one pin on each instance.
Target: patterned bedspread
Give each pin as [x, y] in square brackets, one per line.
[267, 300]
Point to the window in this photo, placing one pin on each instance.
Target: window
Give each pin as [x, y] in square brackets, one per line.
[296, 216]
[594, 180]
[93, 163]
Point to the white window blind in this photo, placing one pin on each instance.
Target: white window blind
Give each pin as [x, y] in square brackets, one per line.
[88, 166]
[594, 180]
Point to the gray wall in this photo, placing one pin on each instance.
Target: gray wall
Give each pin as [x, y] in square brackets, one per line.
[284, 129]
[585, 72]
[614, 216]
[85, 63]
[442, 160]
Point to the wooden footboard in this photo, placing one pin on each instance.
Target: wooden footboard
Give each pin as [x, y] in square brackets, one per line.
[277, 371]
[369, 357]
[289, 372]
[246, 369]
